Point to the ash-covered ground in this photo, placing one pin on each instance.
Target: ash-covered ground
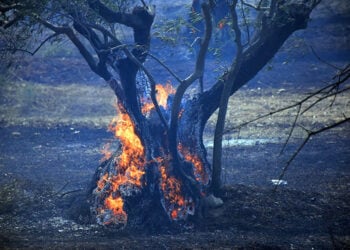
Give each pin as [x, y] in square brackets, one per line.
[53, 122]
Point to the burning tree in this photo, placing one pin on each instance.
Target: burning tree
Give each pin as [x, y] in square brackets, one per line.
[161, 172]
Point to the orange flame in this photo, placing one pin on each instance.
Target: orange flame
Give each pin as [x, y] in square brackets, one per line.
[221, 24]
[177, 205]
[102, 182]
[129, 167]
[106, 152]
[163, 92]
[116, 205]
[199, 171]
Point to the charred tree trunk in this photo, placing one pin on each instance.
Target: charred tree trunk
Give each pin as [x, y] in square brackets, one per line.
[161, 171]
[160, 175]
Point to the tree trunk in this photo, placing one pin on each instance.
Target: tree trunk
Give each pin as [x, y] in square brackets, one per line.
[143, 183]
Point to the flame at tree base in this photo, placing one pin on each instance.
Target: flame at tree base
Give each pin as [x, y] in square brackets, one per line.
[175, 203]
[124, 175]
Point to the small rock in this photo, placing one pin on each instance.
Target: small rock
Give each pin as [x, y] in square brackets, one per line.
[213, 202]
[279, 182]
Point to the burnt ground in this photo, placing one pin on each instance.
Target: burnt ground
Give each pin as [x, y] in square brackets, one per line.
[42, 169]
[48, 157]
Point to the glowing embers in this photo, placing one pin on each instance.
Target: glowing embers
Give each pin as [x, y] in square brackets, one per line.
[199, 170]
[162, 95]
[123, 174]
[177, 206]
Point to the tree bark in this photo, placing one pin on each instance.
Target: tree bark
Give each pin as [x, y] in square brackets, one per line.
[189, 169]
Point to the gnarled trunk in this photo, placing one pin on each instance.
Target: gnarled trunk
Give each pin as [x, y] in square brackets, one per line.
[149, 181]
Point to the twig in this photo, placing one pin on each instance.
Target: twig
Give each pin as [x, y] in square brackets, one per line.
[245, 22]
[165, 66]
[144, 4]
[310, 134]
[343, 76]
[72, 191]
[291, 130]
[37, 49]
[62, 188]
[258, 7]
[322, 60]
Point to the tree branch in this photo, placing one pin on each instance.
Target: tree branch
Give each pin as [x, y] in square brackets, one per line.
[256, 7]
[152, 82]
[5, 8]
[225, 95]
[111, 16]
[288, 17]
[37, 48]
[343, 75]
[198, 72]
[310, 134]
[166, 67]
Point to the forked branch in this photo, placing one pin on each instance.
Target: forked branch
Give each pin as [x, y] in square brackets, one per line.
[308, 137]
[198, 72]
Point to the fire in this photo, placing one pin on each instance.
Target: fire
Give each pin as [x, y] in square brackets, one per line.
[124, 173]
[163, 92]
[199, 171]
[221, 24]
[162, 95]
[102, 182]
[129, 169]
[116, 206]
[176, 205]
[106, 152]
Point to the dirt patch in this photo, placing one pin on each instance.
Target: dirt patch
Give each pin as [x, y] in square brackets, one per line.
[44, 169]
[50, 138]
[251, 217]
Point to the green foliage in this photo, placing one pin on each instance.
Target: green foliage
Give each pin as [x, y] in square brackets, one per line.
[171, 31]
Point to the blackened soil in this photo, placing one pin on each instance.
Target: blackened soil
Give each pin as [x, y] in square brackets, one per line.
[42, 169]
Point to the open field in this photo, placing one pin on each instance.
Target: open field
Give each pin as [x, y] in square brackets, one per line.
[50, 142]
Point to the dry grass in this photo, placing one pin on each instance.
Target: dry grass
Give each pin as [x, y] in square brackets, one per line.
[29, 104]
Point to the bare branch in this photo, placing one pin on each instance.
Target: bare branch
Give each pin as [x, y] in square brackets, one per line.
[256, 7]
[198, 72]
[143, 3]
[297, 115]
[322, 60]
[165, 66]
[6, 8]
[343, 76]
[97, 68]
[130, 20]
[37, 48]
[310, 134]
[225, 95]
[245, 22]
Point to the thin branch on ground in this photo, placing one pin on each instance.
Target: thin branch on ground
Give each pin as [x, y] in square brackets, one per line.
[61, 189]
[72, 191]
